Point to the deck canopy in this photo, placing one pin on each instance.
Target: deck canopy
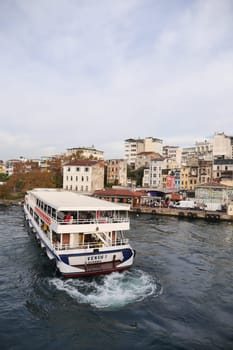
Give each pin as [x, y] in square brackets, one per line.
[66, 200]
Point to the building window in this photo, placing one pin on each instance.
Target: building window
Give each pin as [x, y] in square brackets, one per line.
[77, 169]
[86, 169]
[68, 169]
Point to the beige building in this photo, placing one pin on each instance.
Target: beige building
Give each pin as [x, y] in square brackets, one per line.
[205, 171]
[83, 176]
[204, 150]
[85, 153]
[117, 172]
[173, 154]
[222, 146]
[2, 167]
[143, 159]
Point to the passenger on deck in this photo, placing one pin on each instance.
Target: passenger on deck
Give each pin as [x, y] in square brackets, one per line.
[68, 218]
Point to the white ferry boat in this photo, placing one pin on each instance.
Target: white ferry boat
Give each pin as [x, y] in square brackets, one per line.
[84, 235]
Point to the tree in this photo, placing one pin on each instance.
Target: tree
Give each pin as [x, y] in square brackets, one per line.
[136, 175]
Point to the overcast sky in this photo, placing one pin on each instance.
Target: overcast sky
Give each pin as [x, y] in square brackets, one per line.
[77, 73]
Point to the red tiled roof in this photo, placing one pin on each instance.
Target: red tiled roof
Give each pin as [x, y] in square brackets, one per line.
[119, 192]
[84, 162]
[212, 184]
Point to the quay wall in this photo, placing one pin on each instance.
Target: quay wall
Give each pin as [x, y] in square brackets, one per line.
[184, 213]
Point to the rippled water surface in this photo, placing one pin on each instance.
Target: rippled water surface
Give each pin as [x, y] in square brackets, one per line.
[178, 294]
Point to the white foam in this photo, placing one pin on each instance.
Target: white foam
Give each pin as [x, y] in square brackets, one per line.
[110, 291]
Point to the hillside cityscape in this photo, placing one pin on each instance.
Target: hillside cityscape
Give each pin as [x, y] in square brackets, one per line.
[147, 164]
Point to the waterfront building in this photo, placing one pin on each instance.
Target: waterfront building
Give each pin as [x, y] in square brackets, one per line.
[189, 176]
[152, 177]
[213, 192]
[116, 172]
[83, 175]
[171, 179]
[120, 195]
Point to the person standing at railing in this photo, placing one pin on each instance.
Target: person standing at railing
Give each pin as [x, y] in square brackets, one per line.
[68, 218]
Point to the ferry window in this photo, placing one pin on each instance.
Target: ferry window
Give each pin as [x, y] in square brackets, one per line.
[55, 237]
[49, 210]
[46, 208]
[53, 213]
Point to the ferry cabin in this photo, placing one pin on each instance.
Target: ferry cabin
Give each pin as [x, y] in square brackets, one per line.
[71, 226]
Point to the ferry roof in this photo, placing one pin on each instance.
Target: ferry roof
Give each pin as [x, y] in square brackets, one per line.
[67, 200]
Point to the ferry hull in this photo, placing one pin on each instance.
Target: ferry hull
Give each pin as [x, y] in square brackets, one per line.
[99, 270]
[68, 271]
[90, 243]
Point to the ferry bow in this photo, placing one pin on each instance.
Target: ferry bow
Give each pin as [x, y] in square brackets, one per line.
[85, 235]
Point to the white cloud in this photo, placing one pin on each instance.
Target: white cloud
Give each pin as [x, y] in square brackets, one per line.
[82, 73]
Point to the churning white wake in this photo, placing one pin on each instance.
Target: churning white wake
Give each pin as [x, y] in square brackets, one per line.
[110, 291]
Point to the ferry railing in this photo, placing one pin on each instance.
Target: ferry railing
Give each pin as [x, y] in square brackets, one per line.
[103, 220]
[89, 245]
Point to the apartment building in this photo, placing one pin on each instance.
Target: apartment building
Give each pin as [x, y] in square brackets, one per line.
[173, 153]
[223, 169]
[222, 146]
[205, 171]
[152, 177]
[83, 176]
[117, 172]
[204, 150]
[143, 159]
[189, 177]
[135, 146]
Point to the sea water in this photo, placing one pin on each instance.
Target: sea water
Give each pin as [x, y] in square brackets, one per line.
[177, 295]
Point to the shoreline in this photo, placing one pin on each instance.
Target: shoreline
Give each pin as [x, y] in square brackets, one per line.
[191, 214]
